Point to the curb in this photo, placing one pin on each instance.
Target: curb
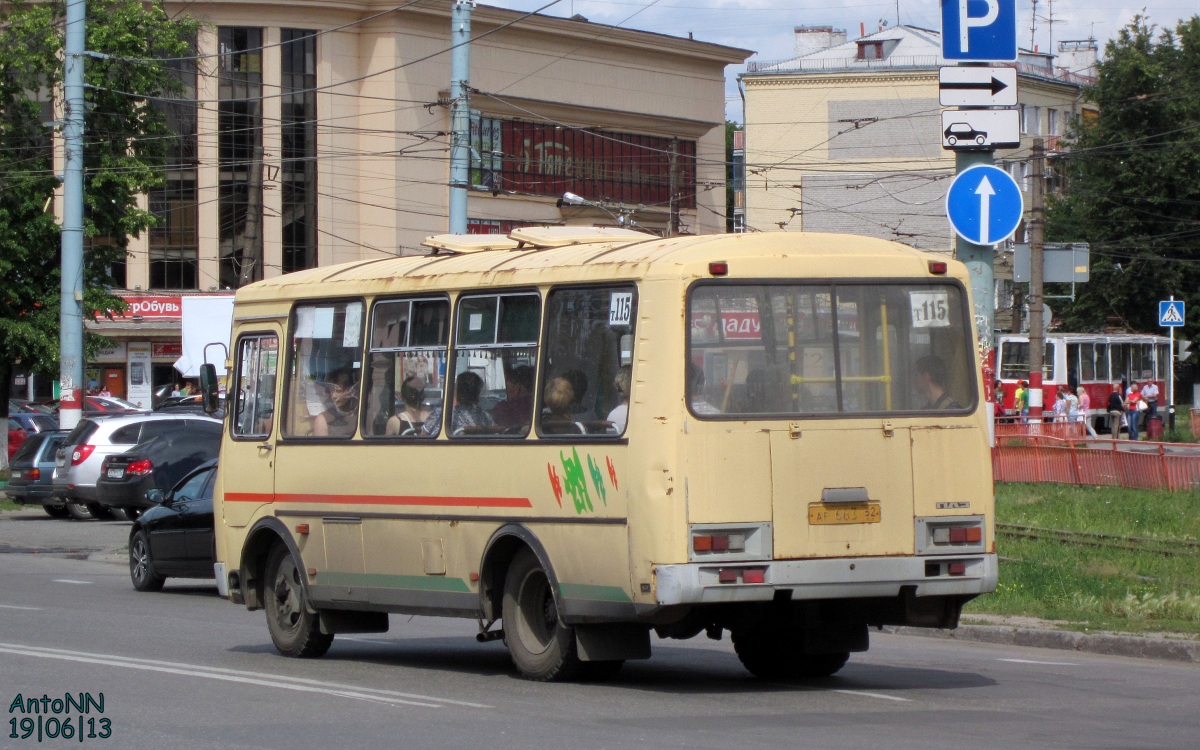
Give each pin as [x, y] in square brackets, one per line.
[1108, 644]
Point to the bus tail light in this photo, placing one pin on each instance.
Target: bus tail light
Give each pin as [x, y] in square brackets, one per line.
[956, 568]
[741, 575]
[729, 542]
[938, 267]
[719, 543]
[718, 268]
[754, 575]
[943, 535]
[80, 454]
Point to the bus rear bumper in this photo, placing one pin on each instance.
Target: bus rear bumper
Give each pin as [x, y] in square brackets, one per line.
[838, 578]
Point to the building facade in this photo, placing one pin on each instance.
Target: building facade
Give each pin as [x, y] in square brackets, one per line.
[313, 133]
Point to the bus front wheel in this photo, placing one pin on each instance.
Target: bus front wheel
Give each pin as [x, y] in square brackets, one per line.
[541, 646]
[294, 630]
[771, 651]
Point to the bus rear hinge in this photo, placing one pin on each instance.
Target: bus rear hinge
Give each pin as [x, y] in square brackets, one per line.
[485, 634]
[888, 430]
[794, 431]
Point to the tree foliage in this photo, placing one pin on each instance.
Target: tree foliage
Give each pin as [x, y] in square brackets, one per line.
[1133, 191]
[125, 141]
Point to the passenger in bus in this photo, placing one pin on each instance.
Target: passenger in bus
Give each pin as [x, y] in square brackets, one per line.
[516, 410]
[931, 382]
[695, 377]
[409, 422]
[466, 411]
[341, 417]
[579, 385]
[558, 399]
[622, 383]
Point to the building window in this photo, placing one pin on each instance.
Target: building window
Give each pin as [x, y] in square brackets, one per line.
[1031, 119]
[240, 149]
[544, 159]
[174, 239]
[299, 169]
[1053, 125]
[870, 51]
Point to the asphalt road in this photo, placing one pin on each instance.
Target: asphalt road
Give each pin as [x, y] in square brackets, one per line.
[185, 669]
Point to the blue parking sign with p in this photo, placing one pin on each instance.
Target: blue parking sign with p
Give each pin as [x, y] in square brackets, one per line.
[979, 30]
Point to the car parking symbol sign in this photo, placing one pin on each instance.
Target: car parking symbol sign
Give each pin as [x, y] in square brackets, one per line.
[979, 29]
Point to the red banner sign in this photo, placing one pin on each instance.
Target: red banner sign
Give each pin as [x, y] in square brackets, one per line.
[155, 306]
[166, 350]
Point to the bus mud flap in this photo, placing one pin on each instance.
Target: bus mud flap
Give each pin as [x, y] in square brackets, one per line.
[612, 642]
[335, 621]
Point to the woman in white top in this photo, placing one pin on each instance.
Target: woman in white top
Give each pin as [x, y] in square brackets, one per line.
[619, 416]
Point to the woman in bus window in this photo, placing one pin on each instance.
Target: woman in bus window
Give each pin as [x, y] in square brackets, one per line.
[558, 398]
[466, 411]
[620, 413]
[409, 421]
[340, 419]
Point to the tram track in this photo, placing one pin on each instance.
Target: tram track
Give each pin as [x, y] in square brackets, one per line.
[1167, 547]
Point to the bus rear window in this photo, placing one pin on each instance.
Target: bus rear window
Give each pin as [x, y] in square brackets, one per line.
[783, 350]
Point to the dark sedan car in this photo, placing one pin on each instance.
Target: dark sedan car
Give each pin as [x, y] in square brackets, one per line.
[160, 462]
[34, 422]
[175, 538]
[32, 473]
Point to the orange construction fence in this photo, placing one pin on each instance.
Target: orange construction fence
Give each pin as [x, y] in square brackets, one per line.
[1096, 461]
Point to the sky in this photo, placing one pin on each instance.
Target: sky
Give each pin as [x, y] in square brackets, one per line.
[765, 26]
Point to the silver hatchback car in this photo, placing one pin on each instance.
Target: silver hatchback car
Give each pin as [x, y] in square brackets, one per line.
[78, 461]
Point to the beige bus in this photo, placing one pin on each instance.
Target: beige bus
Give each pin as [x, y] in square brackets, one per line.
[582, 436]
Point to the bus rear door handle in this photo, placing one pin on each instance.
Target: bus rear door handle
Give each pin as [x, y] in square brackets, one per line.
[265, 448]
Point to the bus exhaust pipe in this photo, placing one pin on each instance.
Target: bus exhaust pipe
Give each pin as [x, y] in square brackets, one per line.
[489, 635]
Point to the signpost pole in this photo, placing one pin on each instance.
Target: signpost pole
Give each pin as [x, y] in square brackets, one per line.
[1171, 366]
[978, 260]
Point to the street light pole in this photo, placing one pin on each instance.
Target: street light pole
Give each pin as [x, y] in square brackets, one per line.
[70, 316]
[460, 114]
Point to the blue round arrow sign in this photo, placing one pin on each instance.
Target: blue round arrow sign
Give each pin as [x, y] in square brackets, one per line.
[984, 204]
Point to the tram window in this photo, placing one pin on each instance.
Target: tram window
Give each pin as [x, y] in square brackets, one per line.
[1143, 361]
[325, 369]
[1014, 360]
[407, 365]
[1164, 362]
[587, 375]
[1102, 370]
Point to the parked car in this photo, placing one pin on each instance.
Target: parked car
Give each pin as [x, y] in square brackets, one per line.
[93, 439]
[191, 404]
[16, 436]
[34, 422]
[31, 477]
[175, 537]
[160, 462]
[93, 405]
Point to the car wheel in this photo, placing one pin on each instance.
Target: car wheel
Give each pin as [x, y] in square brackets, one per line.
[57, 511]
[541, 646]
[951, 140]
[295, 630]
[980, 140]
[78, 511]
[100, 512]
[141, 566]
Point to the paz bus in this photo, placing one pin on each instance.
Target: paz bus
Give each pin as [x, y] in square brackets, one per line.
[616, 435]
[1092, 360]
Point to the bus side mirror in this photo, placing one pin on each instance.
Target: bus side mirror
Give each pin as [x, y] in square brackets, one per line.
[208, 387]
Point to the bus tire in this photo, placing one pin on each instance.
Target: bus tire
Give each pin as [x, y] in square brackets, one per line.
[541, 646]
[773, 652]
[294, 630]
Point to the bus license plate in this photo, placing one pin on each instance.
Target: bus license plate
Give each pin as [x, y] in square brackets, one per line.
[823, 515]
[116, 473]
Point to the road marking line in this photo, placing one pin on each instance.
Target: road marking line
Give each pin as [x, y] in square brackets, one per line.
[1043, 663]
[72, 580]
[298, 684]
[881, 696]
[13, 606]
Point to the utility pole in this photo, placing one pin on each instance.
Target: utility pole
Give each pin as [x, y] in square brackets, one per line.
[1037, 333]
[674, 177]
[460, 114]
[70, 316]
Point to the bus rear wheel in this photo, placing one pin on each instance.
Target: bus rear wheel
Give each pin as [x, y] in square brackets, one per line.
[772, 651]
[541, 646]
[294, 630]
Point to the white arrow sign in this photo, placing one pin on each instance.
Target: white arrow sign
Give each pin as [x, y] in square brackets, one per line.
[985, 193]
[977, 87]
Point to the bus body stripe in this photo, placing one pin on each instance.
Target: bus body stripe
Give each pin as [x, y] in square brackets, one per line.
[433, 500]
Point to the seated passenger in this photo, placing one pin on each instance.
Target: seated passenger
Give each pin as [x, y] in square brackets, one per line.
[557, 419]
[579, 386]
[341, 418]
[931, 382]
[517, 409]
[622, 383]
[466, 411]
[409, 421]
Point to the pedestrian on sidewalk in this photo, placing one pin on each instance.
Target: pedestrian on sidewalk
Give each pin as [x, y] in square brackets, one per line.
[1116, 409]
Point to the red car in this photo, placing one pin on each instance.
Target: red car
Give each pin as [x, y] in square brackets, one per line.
[16, 436]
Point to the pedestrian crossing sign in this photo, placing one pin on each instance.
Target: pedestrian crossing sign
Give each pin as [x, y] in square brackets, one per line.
[1170, 313]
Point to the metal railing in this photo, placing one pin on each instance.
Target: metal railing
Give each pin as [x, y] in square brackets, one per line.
[1096, 461]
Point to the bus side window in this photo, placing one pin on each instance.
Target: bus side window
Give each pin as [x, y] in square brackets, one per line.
[587, 373]
[406, 363]
[254, 386]
[324, 369]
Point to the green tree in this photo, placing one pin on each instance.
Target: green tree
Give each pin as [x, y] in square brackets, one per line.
[1133, 192]
[125, 139]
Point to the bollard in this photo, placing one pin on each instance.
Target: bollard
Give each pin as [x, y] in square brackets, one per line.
[1171, 417]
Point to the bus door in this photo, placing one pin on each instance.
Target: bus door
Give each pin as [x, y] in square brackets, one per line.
[247, 469]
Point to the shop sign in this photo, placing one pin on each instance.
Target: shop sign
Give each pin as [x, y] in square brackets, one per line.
[152, 306]
[112, 353]
[165, 350]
